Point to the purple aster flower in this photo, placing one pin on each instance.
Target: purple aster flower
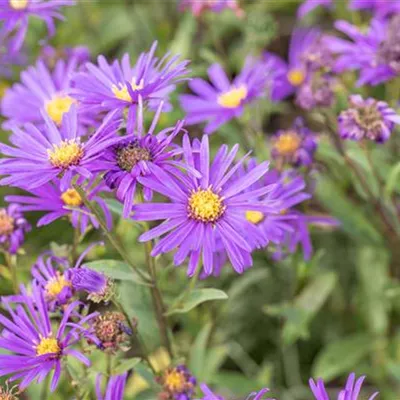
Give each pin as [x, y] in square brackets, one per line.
[381, 8]
[375, 54]
[37, 346]
[42, 91]
[106, 87]
[13, 227]
[51, 55]
[202, 212]
[367, 119]
[115, 387]
[197, 7]
[310, 5]
[178, 383]
[137, 155]
[350, 392]
[15, 16]
[295, 146]
[40, 156]
[209, 395]
[59, 203]
[223, 100]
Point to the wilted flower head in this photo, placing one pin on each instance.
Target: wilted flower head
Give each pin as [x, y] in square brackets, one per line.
[7, 393]
[37, 347]
[112, 331]
[350, 392]
[13, 227]
[199, 6]
[115, 387]
[294, 146]
[40, 156]
[141, 153]
[57, 203]
[204, 211]
[223, 100]
[105, 87]
[367, 119]
[15, 15]
[178, 384]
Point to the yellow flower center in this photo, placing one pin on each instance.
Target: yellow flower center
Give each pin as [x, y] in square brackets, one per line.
[65, 154]
[296, 77]
[57, 107]
[287, 143]
[175, 381]
[71, 198]
[6, 223]
[55, 286]
[19, 4]
[205, 206]
[233, 98]
[254, 217]
[47, 345]
[121, 91]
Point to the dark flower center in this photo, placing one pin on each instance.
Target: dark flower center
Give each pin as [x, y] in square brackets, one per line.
[369, 118]
[129, 155]
[389, 50]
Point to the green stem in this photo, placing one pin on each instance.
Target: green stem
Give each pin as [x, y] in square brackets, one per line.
[110, 236]
[44, 393]
[11, 262]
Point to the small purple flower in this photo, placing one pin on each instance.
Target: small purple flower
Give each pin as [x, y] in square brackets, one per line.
[13, 227]
[197, 7]
[295, 146]
[15, 16]
[222, 100]
[178, 383]
[59, 203]
[51, 55]
[40, 156]
[350, 392]
[209, 395]
[367, 119]
[137, 155]
[106, 87]
[375, 54]
[115, 387]
[37, 346]
[203, 212]
[310, 5]
[42, 91]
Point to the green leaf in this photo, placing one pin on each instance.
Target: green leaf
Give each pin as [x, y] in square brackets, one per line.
[393, 180]
[341, 356]
[197, 357]
[183, 40]
[197, 296]
[252, 277]
[115, 206]
[126, 365]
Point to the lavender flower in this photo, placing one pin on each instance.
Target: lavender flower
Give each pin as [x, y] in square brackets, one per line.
[224, 100]
[42, 91]
[203, 211]
[375, 54]
[115, 387]
[106, 87]
[295, 146]
[350, 392]
[13, 227]
[15, 16]
[36, 348]
[40, 156]
[310, 5]
[209, 395]
[178, 383]
[197, 7]
[68, 203]
[137, 155]
[367, 119]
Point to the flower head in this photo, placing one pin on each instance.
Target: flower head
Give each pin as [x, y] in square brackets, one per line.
[178, 383]
[295, 146]
[350, 392]
[115, 387]
[367, 119]
[205, 211]
[137, 155]
[224, 100]
[57, 203]
[105, 87]
[40, 156]
[197, 7]
[15, 15]
[36, 346]
[13, 227]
